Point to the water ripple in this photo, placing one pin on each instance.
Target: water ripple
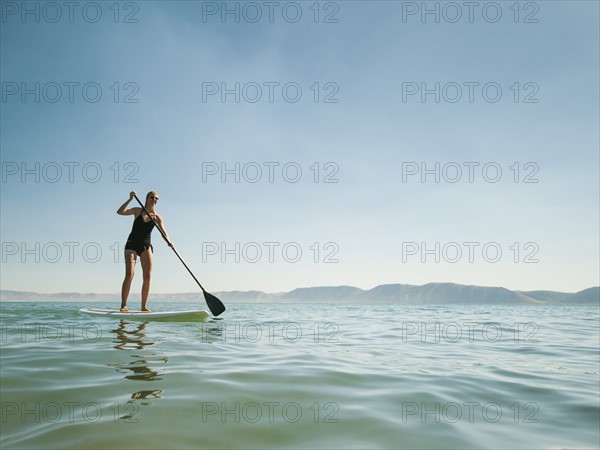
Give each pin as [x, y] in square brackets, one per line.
[375, 376]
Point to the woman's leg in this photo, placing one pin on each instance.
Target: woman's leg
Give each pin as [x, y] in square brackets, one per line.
[130, 258]
[146, 260]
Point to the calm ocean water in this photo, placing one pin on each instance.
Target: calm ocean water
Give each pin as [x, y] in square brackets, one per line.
[302, 376]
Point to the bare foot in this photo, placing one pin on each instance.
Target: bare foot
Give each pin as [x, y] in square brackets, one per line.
[146, 310]
[124, 309]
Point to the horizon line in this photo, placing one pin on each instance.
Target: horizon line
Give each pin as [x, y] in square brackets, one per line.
[304, 287]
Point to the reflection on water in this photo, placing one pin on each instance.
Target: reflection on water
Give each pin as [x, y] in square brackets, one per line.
[133, 337]
[141, 370]
[211, 332]
[142, 395]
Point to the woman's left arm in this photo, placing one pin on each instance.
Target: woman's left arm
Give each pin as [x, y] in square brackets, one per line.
[160, 223]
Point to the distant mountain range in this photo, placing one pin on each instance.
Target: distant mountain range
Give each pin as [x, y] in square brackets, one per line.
[428, 294]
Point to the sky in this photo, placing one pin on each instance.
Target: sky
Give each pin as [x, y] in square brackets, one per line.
[301, 143]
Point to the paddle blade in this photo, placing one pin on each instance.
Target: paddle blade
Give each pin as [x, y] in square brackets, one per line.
[214, 304]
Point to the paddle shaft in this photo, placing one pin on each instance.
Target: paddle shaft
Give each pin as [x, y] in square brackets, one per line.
[172, 248]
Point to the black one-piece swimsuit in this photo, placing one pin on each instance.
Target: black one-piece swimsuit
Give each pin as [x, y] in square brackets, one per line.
[139, 239]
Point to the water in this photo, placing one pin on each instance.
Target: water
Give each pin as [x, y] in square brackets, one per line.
[302, 376]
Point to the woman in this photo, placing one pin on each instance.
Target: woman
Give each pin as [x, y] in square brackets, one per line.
[139, 244]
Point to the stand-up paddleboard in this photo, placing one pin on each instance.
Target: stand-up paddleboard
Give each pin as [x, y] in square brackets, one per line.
[196, 314]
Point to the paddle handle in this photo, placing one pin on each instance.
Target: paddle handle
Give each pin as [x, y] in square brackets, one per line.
[172, 248]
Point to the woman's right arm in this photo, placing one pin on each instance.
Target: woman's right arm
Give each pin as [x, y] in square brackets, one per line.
[123, 211]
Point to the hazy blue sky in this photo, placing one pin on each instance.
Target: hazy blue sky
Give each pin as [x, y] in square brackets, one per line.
[131, 91]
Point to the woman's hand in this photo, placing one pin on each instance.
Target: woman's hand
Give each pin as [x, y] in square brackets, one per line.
[123, 211]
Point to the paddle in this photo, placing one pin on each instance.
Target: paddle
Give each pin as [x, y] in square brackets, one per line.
[214, 304]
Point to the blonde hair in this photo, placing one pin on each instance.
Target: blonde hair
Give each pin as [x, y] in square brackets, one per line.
[148, 195]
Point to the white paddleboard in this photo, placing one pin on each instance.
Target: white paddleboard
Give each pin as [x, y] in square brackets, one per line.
[139, 315]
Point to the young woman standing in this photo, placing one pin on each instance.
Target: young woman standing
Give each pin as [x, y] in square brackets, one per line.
[139, 244]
